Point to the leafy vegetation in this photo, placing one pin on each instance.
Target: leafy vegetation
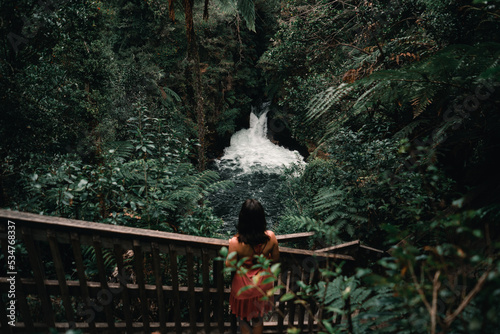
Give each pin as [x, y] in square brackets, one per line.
[403, 99]
[111, 111]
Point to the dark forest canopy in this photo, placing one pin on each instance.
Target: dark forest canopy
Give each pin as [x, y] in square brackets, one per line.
[111, 111]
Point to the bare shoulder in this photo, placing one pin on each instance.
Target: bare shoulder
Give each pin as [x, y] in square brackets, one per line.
[272, 236]
[233, 241]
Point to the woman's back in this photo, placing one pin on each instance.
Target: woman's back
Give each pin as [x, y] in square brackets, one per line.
[252, 239]
[269, 249]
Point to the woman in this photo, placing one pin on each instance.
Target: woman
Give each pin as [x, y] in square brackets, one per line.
[252, 239]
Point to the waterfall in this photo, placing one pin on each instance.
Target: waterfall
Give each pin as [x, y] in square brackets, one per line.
[254, 164]
[251, 151]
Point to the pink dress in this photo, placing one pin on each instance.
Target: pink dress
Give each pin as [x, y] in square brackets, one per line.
[249, 303]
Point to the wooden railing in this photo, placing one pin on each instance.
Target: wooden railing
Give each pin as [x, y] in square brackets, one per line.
[64, 273]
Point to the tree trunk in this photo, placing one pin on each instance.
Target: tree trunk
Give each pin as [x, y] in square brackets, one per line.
[171, 11]
[195, 77]
[205, 10]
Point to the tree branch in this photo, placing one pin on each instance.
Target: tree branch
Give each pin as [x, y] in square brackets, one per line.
[449, 319]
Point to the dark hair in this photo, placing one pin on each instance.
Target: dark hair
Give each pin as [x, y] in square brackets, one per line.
[252, 223]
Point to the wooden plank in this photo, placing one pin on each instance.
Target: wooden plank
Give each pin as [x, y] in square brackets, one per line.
[269, 326]
[38, 273]
[206, 289]
[107, 232]
[345, 245]
[175, 289]
[139, 272]
[302, 253]
[23, 304]
[126, 234]
[3, 312]
[159, 284]
[375, 250]
[313, 307]
[118, 250]
[61, 276]
[192, 300]
[77, 253]
[106, 302]
[234, 321]
[290, 303]
[4, 321]
[111, 231]
[301, 308]
[294, 236]
[52, 288]
[219, 282]
[281, 305]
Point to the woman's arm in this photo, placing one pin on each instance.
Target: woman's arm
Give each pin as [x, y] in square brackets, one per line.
[233, 243]
[275, 252]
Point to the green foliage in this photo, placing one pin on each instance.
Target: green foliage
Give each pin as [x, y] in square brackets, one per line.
[403, 99]
[145, 181]
[450, 72]
[269, 273]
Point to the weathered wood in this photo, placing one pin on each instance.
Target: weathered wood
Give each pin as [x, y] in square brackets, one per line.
[77, 253]
[175, 289]
[61, 276]
[4, 321]
[234, 321]
[20, 297]
[219, 281]
[301, 308]
[52, 288]
[280, 304]
[139, 272]
[375, 250]
[346, 245]
[121, 278]
[205, 263]
[294, 236]
[303, 253]
[111, 231]
[23, 304]
[106, 302]
[269, 326]
[198, 252]
[159, 284]
[291, 303]
[312, 307]
[192, 300]
[38, 273]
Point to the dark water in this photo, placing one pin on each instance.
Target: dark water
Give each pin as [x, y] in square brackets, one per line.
[261, 186]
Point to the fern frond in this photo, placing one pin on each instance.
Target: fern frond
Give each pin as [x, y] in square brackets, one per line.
[325, 100]
[247, 10]
[120, 149]
[407, 130]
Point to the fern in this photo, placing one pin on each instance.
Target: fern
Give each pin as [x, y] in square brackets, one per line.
[408, 129]
[120, 150]
[247, 10]
[450, 70]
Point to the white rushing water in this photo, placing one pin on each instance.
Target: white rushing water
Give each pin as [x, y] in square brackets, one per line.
[254, 165]
[251, 151]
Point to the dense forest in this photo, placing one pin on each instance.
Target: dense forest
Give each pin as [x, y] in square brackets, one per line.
[113, 111]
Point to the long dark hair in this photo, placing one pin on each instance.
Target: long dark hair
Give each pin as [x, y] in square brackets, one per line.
[252, 223]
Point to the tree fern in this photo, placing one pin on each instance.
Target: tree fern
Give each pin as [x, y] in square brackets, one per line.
[247, 10]
[244, 7]
[450, 70]
[120, 150]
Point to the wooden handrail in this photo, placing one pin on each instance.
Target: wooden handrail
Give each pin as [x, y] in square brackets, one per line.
[171, 272]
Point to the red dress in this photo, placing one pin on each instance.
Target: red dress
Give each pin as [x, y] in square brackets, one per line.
[249, 303]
